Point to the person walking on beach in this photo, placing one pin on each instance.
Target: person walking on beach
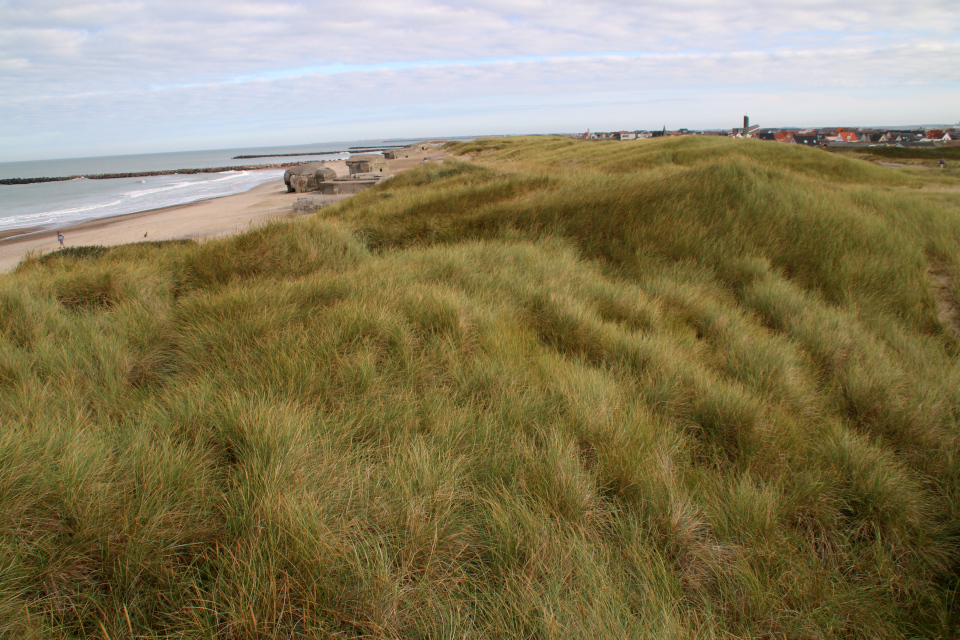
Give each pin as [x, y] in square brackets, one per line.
[60, 239]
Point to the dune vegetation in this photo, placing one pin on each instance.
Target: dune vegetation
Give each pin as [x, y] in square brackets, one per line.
[678, 388]
[918, 159]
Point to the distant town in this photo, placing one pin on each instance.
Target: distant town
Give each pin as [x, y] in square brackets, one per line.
[823, 136]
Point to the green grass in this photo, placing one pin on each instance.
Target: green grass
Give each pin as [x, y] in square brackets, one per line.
[682, 388]
[918, 153]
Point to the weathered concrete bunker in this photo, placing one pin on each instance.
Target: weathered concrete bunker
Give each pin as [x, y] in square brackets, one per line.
[394, 154]
[366, 163]
[307, 177]
[347, 185]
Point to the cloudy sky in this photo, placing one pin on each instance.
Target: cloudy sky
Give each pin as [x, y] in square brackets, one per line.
[106, 77]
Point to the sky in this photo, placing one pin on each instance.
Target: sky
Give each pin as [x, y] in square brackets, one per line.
[113, 77]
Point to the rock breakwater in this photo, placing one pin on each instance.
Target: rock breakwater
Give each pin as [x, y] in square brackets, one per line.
[319, 153]
[142, 174]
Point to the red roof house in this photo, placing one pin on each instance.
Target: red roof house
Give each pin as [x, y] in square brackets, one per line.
[847, 136]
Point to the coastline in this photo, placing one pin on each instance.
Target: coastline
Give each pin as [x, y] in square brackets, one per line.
[198, 220]
[195, 220]
[24, 232]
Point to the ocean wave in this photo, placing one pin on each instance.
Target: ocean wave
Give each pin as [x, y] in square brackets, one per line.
[150, 192]
[90, 207]
[42, 217]
[233, 175]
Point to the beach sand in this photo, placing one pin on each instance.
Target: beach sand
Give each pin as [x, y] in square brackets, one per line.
[197, 220]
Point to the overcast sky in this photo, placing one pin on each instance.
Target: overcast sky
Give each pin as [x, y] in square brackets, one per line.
[96, 78]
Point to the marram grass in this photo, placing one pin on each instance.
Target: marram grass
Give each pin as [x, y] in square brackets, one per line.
[684, 388]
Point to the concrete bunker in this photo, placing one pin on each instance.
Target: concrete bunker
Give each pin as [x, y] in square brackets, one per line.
[366, 163]
[307, 177]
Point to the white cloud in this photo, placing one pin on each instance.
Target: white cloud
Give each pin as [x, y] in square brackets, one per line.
[111, 72]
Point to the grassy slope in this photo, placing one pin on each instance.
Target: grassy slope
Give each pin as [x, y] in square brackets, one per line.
[895, 153]
[679, 388]
[913, 160]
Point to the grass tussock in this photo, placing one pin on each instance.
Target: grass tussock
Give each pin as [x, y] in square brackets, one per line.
[680, 388]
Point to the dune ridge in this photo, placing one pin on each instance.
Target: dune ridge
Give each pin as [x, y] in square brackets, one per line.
[679, 388]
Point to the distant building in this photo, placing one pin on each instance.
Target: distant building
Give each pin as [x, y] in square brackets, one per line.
[627, 135]
[826, 135]
[847, 136]
[776, 136]
[808, 139]
[938, 135]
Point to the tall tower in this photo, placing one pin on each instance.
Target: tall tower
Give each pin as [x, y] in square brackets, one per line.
[746, 123]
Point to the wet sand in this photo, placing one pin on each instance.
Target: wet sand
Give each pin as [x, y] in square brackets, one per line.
[197, 220]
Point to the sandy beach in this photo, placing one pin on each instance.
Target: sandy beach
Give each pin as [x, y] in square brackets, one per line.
[196, 220]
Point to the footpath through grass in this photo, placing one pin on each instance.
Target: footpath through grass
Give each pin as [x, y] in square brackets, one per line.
[683, 388]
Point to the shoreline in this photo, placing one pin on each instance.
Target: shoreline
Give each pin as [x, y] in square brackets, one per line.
[8, 236]
[19, 233]
[198, 220]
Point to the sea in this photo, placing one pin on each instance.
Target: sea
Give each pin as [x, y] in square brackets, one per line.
[51, 205]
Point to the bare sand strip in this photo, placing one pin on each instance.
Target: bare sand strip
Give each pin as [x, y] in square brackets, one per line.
[197, 220]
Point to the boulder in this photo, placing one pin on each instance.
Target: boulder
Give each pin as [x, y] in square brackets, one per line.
[307, 177]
